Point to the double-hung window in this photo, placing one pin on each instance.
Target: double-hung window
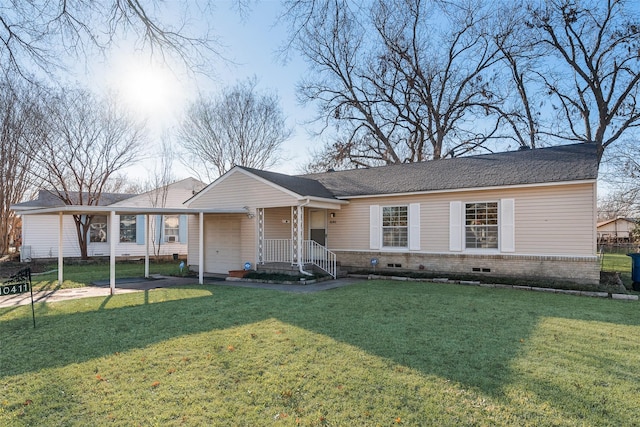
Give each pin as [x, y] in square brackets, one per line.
[127, 228]
[172, 228]
[98, 229]
[481, 225]
[395, 226]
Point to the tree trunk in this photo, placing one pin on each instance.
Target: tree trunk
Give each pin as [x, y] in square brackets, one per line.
[82, 231]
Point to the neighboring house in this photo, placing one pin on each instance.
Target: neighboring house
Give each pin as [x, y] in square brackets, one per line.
[616, 230]
[167, 234]
[528, 213]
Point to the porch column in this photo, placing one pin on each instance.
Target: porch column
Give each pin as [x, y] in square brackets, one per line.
[297, 234]
[60, 249]
[260, 259]
[147, 237]
[113, 236]
[294, 235]
[201, 248]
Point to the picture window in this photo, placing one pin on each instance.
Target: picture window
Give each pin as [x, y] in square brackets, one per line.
[395, 226]
[481, 225]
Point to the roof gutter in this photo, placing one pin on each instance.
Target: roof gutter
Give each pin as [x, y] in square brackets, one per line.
[310, 199]
[464, 189]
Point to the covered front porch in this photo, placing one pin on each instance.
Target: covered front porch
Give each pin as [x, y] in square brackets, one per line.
[284, 238]
[298, 237]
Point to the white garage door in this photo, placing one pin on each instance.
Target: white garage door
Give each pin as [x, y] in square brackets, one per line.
[222, 245]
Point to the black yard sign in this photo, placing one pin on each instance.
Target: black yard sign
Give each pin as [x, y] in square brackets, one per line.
[12, 289]
[19, 283]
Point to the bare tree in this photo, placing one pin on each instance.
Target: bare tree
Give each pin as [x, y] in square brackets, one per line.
[399, 81]
[410, 80]
[619, 179]
[38, 35]
[89, 140]
[520, 111]
[21, 132]
[157, 189]
[239, 127]
[616, 204]
[591, 68]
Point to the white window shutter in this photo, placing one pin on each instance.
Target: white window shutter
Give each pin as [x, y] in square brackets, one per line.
[140, 227]
[414, 226]
[507, 225]
[455, 226]
[159, 228]
[374, 227]
[182, 229]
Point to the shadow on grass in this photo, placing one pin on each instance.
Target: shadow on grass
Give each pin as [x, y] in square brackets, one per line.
[467, 335]
[46, 285]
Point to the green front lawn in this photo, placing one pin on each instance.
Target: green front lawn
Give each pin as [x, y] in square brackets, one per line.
[376, 353]
[76, 276]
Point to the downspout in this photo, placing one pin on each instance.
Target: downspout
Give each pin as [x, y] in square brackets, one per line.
[302, 271]
[306, 273]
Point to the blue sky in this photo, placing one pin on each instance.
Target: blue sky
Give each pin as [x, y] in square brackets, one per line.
[250, 47]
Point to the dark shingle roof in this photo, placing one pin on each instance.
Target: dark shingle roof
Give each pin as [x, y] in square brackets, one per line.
[299, 185]
[48, 199]
[564, 163]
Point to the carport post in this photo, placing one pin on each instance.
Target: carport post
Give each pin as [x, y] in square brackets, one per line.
[60, 249]
[146, 252]
[114, 229]
[201, 248]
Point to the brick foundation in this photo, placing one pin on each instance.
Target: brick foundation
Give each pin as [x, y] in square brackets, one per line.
[579, 270]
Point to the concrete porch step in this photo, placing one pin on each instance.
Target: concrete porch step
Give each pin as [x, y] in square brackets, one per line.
[287, 268]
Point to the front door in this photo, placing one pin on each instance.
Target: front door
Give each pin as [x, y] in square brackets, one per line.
[318, 226]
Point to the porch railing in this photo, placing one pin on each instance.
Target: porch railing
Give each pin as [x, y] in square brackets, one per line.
[318, 255]
[277, 250]
[280, 250]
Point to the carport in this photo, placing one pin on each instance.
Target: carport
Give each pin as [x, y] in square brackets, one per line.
[113, 230]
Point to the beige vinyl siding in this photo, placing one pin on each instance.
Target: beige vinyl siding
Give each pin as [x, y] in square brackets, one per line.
[549, 220]
[435, 225]
[561, 223]
[274, 227]
[248, 240]
[238, 190]
[349, 229]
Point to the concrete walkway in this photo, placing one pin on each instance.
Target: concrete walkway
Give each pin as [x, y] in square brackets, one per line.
[138, 285]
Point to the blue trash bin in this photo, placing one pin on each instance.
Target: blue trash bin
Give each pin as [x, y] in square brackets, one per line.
[635, 270]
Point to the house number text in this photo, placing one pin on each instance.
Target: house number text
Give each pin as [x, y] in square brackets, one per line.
[14, 289]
